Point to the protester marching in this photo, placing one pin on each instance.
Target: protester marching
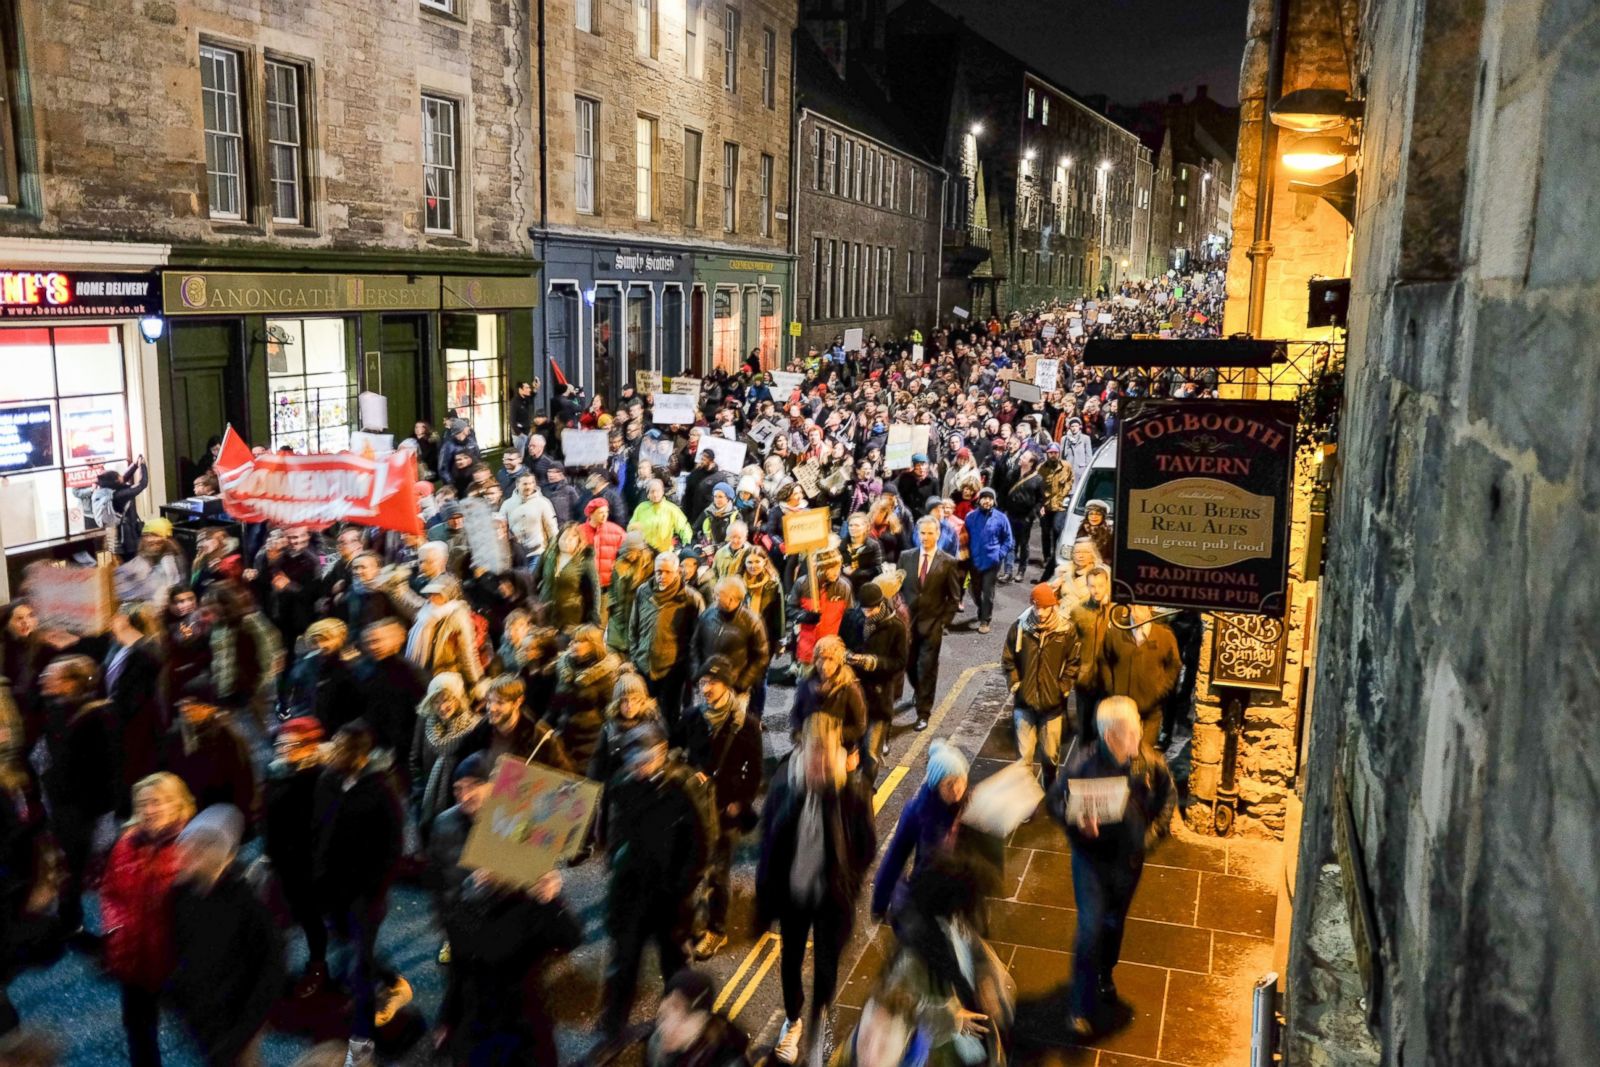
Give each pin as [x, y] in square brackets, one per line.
[479, 673]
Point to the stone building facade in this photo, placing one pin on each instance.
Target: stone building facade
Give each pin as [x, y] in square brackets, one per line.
[361, 169]
[867, 210]
[663, 186]
[1041, 200]
[1452, 794]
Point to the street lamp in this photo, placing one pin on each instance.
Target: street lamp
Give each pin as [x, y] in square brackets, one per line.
[1315, 152]
[1030, 155]
[1315, 110]
[976, 129]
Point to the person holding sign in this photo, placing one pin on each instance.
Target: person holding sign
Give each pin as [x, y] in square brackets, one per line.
[1114, 799]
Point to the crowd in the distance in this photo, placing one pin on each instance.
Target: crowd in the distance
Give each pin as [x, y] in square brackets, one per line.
[335, 701]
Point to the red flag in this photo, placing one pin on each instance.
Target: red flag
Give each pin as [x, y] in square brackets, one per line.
[555, 369]
[318, 490]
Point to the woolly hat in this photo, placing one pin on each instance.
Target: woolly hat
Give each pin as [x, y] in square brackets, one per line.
[945, 761]
[220, 824]
[693, 985]
[871, 595]
[718, 667]
[158, 527]
[301, 730]
[1044, 595]
[474, 766]
[595, 505]
[629, 684]
[748, 484]
[723, 488]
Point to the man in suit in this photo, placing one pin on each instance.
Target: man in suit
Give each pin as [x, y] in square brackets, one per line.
[933, 593]
[132, 677]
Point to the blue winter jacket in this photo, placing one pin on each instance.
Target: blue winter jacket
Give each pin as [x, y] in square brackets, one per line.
[926, 827]
[988, 537]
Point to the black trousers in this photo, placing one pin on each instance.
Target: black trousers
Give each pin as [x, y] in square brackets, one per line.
[983, 583]
[667, 692]
[829, 930]
[74, 830]
[1022, 529]
[141, 1021]
[633, 924]
[719, 875]
[923, 668]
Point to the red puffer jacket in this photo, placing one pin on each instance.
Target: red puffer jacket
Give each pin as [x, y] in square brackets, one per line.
[136, 909]
[606, 540]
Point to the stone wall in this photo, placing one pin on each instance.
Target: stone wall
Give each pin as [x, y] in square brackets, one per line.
[1457, 679]
[120, 147]
[606, 66]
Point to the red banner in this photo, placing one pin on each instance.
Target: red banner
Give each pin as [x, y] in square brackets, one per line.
[318, 490]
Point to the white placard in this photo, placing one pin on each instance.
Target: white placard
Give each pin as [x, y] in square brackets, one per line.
[1048, 332]
[585, 448]
[374, 411]
[1045, 373]
[1105, 798]
[1075, 329]
[786, 381]
[1104, 318]
[855, 339]
[685, 386]
[1026, 392]
[730, 454]
[959, 312]
[905, 441]
[916, 353]
[764, 433]
[674, 409]
[483, 539]
[376, 445]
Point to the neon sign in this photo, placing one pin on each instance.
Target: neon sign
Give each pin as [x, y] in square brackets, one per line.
[34, 287]
[33, 294]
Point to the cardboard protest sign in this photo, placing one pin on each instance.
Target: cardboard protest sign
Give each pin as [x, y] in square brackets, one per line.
[786, 381]
[488, 550]
[1103, 318]
[657, 453]
[646, 382]
[1028, 366]
[959, 312]
[916, 353]
[1048, 332]
[674, 409]
[318, 490]
[1076, 328]
[585, 448]
[730, 454]
[1026, 392]
[1045, 373]
[1027, 344]
[904, 442]
[534, 818]
[685, 386]
[764, 433]
[809, 475]
[855, 339]
[78, 600]
[806, 531]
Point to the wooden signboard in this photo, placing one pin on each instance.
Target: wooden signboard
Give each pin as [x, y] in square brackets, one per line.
[806, 531]
[1247, 651]
[534, 818]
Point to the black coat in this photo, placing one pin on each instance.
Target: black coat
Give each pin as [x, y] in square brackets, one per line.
[852, 841]
[322, 686]
[229, 964]
[731, 758]
[862, 564]
[357, 836]
[1151, 798]
[390, 691]
[84, 772]
[219, 770]
[498, 940]
[138, 713]
[933, 602]
[883, 645]
[658, 843]
[289, 806]
[740, 639]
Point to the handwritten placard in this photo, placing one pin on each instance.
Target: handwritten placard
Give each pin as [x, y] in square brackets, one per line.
[78, 600]
[684, 386]
[646, 382]
[730, 454]
[1247, 651]
[785, 382]
[1026, 392]
[585, 448]
[674, 409]
[534, 818]
[854, 339]
[1045, 373]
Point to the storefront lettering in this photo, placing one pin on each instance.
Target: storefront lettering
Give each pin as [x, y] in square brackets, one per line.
[638, 262]
[214, 293]
[751, 264]
[34, 287]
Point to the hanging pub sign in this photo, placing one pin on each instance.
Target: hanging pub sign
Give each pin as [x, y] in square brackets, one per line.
[1247, 651]
[1202, 511]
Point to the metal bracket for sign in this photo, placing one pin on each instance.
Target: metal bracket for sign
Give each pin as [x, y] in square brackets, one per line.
[1279, 381]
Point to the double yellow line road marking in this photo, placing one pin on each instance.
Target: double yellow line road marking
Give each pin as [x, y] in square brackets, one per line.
[769, 945]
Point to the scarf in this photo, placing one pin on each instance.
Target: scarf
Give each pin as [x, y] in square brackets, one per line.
[810, 845]
[444, 736]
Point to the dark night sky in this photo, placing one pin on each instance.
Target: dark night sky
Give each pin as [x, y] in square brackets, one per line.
[1131, 50]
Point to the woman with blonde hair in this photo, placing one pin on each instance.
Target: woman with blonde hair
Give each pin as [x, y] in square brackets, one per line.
[134, 907]
[444, 719]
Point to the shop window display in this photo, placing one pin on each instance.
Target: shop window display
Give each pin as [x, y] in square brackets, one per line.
[310, 386]
[475, 383]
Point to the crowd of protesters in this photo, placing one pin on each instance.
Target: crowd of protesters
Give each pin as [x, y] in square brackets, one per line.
[336, 700]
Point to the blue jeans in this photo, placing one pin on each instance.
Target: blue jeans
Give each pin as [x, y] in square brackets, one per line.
[758, 697]
[1102, 890]
[1038, 734]
[357, 926]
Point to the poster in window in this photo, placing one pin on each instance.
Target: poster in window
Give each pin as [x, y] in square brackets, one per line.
[92, 428]
[27, 438]
[278, 342]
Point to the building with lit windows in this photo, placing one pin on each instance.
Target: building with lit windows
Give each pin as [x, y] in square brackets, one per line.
[662, 186]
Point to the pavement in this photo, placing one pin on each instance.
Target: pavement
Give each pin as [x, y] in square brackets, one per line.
[1199, 935]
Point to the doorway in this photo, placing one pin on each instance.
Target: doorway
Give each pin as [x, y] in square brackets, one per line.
[403, 375]
[697, 331]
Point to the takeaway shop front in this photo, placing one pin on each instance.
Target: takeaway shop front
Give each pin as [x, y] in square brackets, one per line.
[73, 400]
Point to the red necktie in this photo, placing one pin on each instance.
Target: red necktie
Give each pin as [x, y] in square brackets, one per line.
[922, 574]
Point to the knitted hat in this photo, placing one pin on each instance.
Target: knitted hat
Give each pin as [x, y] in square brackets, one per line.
[986, 491]
[629, 684]
[694, 986]
[945, 761]
[158, 527]
[474, 766]
[1044, 595]
[595, 505]
[719, 668]
[724, 488]
[327, 628]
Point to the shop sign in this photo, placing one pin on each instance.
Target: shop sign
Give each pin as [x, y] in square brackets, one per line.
[54, 294]
[27, 438]
[257, 294]
[624, 261]
[1247, 651]
[755, 266]
[1203, 505]
[487, 293]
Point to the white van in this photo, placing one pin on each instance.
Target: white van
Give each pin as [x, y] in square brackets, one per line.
[1099, 484]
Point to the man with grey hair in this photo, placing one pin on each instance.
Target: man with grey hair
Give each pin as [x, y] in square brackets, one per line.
[229, 960]
[1114, 798]
[661, 630]
[932, 593]
[730, 628]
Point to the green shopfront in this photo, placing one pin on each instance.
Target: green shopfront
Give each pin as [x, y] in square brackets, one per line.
[738, 304]
[282, 357]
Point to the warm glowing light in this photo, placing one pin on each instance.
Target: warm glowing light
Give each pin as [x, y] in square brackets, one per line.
[1314, 153]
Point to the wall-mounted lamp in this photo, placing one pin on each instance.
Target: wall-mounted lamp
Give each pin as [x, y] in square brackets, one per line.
[1030, 155]
[1315, 110]
[151, 327]
[1315, 152]
[976, 129]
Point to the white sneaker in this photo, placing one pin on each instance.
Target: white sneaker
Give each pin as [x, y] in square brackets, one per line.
[359, 1053]
[787, 1050]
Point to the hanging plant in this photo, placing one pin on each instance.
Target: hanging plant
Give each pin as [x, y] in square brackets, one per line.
[1319, 401]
